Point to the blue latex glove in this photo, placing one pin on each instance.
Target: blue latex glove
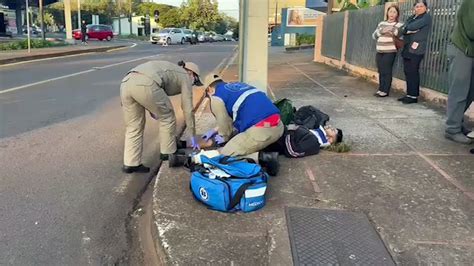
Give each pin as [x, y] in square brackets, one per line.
[194, 143]
[209, 134]
[219, 139]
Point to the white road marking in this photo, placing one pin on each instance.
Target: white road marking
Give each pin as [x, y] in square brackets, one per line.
[45, 59]
[65, 56]
[72, 75]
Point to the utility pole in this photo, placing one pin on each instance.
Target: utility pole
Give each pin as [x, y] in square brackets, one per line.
[79, 18]
[253, 43]
[120, 16]
[276, 13]
[130, 17]
[42, 20]
[67, 19]
[28, 25]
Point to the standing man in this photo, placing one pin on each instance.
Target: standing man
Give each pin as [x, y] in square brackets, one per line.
[252, 114]
[146, 88]
[84, 32]
[461, 74]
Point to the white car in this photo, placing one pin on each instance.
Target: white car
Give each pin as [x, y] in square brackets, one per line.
[168, 36]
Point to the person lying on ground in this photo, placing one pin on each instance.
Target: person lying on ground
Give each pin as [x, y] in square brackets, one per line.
[253, 115]
[298, 141]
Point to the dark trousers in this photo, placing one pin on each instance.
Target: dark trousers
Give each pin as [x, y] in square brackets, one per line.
[83, 36]
[411, 67]
[385, 67]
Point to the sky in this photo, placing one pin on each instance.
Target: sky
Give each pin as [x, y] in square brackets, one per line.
[230, 7]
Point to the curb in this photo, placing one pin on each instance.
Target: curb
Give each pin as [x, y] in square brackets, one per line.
[59, 54]
[158, 242]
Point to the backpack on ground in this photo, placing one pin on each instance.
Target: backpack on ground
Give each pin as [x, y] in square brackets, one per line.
[310, 117]
[287, 111]
[228, 184]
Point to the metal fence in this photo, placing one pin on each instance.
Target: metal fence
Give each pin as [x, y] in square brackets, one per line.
[332, 32]
[361, 47]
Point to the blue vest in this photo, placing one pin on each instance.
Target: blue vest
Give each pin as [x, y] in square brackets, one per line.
[245, 104]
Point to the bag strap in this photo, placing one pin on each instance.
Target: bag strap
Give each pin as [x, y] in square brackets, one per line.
[238, 195]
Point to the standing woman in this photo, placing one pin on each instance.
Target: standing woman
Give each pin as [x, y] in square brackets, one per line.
[415, 31]
[385, 33]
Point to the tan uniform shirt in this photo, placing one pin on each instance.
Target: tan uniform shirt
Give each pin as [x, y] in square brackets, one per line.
[174, 80]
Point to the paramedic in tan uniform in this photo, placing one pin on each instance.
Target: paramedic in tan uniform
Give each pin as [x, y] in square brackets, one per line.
[251, 113]
[146, 88]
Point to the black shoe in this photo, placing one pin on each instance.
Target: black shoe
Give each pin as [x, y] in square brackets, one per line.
[472, 151]
[269, 161]
[135, 169]
[181, 144]
[409, 100]
[163, 157]
[401, 99]
[179, 158]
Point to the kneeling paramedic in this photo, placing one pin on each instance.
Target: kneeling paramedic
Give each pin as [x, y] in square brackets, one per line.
[251, 113]
[147, 87]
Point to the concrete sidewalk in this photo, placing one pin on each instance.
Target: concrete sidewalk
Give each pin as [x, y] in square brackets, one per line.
[14, 56]
[415, 186]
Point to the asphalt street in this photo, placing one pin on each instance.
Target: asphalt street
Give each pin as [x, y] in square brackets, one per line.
[63, 198]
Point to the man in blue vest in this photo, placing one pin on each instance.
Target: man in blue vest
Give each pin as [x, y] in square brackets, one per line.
[251, 113]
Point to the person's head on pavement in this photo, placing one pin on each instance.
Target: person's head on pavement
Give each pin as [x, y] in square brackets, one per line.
[193, 71]
[210, 83]
[333, 135]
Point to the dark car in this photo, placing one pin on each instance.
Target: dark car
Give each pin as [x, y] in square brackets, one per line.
[100, 32]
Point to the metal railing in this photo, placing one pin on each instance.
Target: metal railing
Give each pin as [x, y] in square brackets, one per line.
[361, 50]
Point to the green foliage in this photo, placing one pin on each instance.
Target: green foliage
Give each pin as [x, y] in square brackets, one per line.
[197, 14]
[19, 45]
[341, 147]
[305, 39]
[347, 5]
[171, 18]
[149, 8]
[193, 14]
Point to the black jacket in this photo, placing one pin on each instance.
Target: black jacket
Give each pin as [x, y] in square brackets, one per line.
[422, 26]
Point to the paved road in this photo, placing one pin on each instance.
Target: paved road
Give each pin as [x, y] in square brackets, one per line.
[63, 198]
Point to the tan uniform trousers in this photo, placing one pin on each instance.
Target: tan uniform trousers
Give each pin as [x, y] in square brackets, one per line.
[139, 93]
[248, 143]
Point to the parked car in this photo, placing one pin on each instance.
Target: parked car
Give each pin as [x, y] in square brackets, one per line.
[99, 32]
[33, 29]
[217, 38]
[188, 34]
[168, 36]
[203, 37]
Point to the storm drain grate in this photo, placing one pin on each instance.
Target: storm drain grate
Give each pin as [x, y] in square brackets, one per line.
[334, 237]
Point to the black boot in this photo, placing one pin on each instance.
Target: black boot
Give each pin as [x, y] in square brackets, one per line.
[135, 169]
[269, 161]
[179, 158]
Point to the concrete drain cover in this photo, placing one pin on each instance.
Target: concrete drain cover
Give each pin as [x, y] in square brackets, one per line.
[334, 237]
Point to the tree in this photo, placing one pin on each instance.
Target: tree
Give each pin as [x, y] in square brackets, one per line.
[200, 14]
[149, 8]
[172, 18]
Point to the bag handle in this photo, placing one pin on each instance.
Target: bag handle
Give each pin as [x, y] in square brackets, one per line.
[228, 159]
[238, 195]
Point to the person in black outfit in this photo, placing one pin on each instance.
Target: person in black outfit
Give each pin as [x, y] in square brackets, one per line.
[84, 32]
[415, 32]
